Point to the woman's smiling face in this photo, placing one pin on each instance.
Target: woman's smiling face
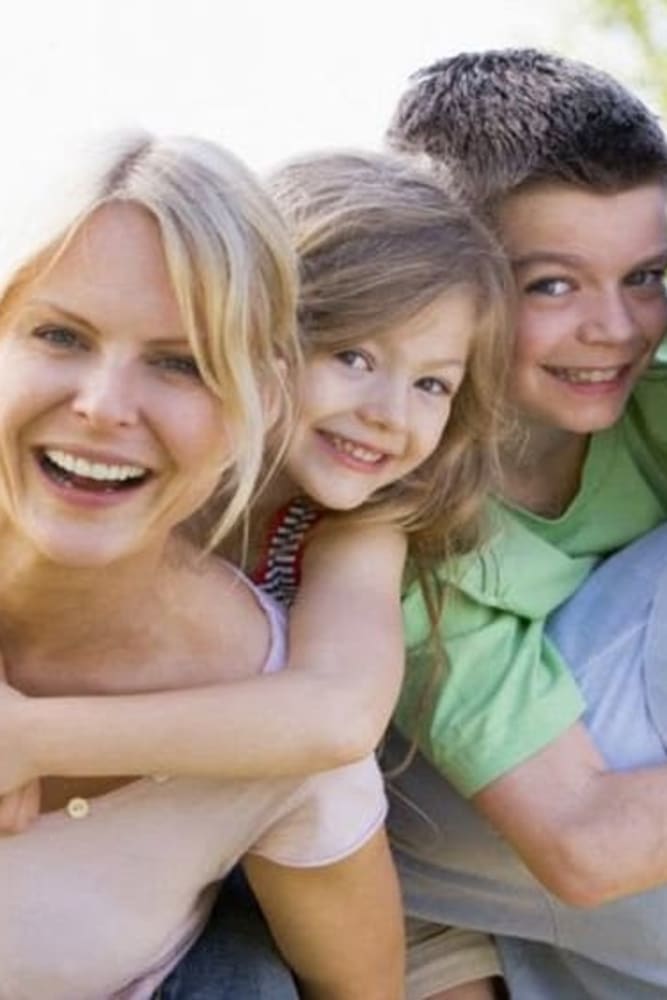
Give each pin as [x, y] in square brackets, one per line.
[108, 436]
[589, 269]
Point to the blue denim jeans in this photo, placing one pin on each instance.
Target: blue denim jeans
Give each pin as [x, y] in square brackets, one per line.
[235, 957]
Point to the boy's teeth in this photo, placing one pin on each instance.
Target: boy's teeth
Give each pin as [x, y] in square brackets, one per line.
[587, 374]
[78, 466]
[355, 450]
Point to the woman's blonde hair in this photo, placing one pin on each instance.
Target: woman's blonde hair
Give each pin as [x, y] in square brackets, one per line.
[377, 242]
[233, 273]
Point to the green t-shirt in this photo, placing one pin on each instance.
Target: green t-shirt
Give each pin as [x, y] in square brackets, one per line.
[507, 692]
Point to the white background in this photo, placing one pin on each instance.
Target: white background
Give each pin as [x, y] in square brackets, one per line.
[266, 77]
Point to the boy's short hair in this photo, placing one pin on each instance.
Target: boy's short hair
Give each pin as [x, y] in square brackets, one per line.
[493, 121]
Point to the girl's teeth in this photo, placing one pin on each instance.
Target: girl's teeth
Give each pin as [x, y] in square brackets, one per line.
[590, 375]
[78, 466]
[356, 450]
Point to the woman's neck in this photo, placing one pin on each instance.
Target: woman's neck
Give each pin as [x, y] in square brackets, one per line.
[542, 469]
[53, 616]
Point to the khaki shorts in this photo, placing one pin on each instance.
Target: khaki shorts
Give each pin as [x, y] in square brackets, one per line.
[440, 958]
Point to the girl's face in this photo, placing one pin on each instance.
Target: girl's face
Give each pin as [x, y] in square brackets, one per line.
[590, 273]
[108, 437]
[373, 412]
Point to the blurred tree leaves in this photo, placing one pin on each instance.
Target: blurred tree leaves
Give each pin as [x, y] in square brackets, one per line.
[644, 23]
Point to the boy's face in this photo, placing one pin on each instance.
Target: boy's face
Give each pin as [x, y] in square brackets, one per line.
[592, 308]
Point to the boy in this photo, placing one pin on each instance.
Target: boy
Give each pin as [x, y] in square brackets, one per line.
[570, 169]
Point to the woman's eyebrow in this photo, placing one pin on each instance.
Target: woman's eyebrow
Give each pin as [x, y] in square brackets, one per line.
[73, 317]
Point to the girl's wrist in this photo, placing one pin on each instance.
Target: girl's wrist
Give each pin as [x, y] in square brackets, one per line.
[46, 736]
[19, 738]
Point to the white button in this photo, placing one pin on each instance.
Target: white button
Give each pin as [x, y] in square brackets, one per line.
[161, 777]
[77, 808]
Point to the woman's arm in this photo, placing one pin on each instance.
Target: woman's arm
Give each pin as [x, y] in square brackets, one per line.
[340, 927]
[329, 708]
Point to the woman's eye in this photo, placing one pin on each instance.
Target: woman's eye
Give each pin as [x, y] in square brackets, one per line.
[647, 278]
[59, 336]
[354, 359]
[553, 287]
[434, 386]
[179, 364]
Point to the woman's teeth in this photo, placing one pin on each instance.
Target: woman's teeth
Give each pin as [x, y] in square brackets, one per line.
[100, 471]
[587, 375]
[356, 451]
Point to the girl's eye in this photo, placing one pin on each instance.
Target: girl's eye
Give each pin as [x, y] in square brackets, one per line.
[553, 287]
[647, 278]
[434, 386]
[59, 336]
[354, 359]
[179, 364]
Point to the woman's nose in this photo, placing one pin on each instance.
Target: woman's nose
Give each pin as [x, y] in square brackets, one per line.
[106, 396]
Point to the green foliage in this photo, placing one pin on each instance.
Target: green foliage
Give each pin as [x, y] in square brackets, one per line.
[645, 22]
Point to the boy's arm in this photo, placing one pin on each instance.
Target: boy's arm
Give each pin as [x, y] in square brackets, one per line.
[329, 708]
[590, 835]
[505, 731]
[340, 927]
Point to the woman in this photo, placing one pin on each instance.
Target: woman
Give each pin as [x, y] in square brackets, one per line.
[131, 341]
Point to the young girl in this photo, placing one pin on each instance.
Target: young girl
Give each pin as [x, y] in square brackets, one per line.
[143, 348]
[402, 317]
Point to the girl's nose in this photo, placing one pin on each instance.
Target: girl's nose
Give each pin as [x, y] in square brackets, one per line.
[387, 405]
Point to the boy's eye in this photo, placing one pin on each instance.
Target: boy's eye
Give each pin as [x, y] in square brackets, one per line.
[59, 336]
[647, 278]
[553, 287]
[179, 364]
[434, 386]
[354, 359]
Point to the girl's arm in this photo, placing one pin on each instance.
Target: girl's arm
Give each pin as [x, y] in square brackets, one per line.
[340, 927]
[328, 709]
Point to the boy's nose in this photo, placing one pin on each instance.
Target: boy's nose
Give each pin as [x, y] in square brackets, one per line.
[611, 319]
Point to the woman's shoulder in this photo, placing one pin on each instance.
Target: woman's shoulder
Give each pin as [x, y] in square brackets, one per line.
[241, 628]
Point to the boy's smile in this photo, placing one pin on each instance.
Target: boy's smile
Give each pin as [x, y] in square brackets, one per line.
[591, 309]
